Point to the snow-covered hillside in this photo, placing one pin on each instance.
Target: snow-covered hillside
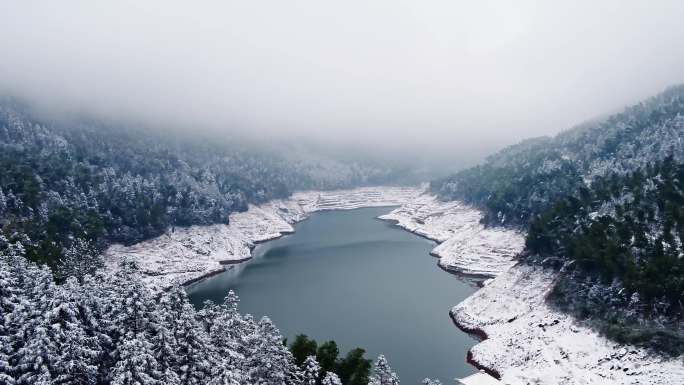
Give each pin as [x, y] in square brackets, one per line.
[530, 343]
[466, 246]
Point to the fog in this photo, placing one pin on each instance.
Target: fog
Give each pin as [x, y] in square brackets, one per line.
[452, 80]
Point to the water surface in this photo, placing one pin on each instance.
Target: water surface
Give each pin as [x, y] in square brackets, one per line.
[346, 276]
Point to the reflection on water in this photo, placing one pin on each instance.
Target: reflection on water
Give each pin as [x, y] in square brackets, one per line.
[347, 276]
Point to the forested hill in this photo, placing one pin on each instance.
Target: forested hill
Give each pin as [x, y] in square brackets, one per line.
[527, 178]
[113, 183]
[604, 201]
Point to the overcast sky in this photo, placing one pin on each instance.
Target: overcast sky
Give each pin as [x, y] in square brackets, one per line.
[453, 77]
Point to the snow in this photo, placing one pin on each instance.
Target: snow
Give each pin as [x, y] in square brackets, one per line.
[466, 246]
[479, 378]
[184, 255]
[529, 342]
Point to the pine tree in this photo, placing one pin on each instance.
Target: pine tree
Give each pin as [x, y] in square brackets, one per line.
[226, 334]
[383, 374]
[36, 360]
[310, 371]
[164, 351]
[354, 368]
[331, 379]
[79, 260]
[327, 356]
[9, 302]
[77, 363]
[136, 365]
[301, 348]
[226, 375]
[269, 362]
[192, 349]
[3, 204]
[133, 306]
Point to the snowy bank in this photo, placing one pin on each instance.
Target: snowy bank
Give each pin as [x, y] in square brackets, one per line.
[184, 255]
[529, 342]
[465, 246]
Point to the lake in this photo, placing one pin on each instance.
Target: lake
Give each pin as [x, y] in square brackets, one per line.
[349, 277]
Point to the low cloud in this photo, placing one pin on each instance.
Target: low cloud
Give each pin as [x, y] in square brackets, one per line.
[446, 80]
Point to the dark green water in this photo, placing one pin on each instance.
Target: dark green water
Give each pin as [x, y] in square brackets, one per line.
[349, 277]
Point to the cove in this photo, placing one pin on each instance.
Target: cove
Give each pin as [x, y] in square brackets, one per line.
[349, 277]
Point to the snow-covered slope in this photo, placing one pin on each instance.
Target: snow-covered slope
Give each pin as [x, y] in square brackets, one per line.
[183, 255]
[465, 246]
[528, 342]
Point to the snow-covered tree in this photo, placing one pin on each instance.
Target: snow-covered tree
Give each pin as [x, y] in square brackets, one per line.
[192, 349]
[10, 296]
[331, 379]
[110, 329]
[382, 373]
[227, 375]
[80, 259]
[77, 362]
[269, 361]
[36, 360]
[3, 203]
[136, 365]
[310, 371]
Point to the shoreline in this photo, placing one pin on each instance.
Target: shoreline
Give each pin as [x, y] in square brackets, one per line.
[190, 254]
[232, 262]
[474, 279]
[480, 335]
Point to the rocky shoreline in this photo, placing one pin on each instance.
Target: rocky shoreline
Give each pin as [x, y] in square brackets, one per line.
[465, 246]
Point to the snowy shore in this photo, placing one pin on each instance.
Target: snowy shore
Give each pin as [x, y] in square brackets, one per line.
[524, 341]
[185, 255]
[465, 246]
[529, 342]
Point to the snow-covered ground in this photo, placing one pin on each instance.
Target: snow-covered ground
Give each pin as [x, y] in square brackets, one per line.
[466, 246]
[183, 255]
[529, 343]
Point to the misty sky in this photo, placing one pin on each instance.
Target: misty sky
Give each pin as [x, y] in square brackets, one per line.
[460, 78]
